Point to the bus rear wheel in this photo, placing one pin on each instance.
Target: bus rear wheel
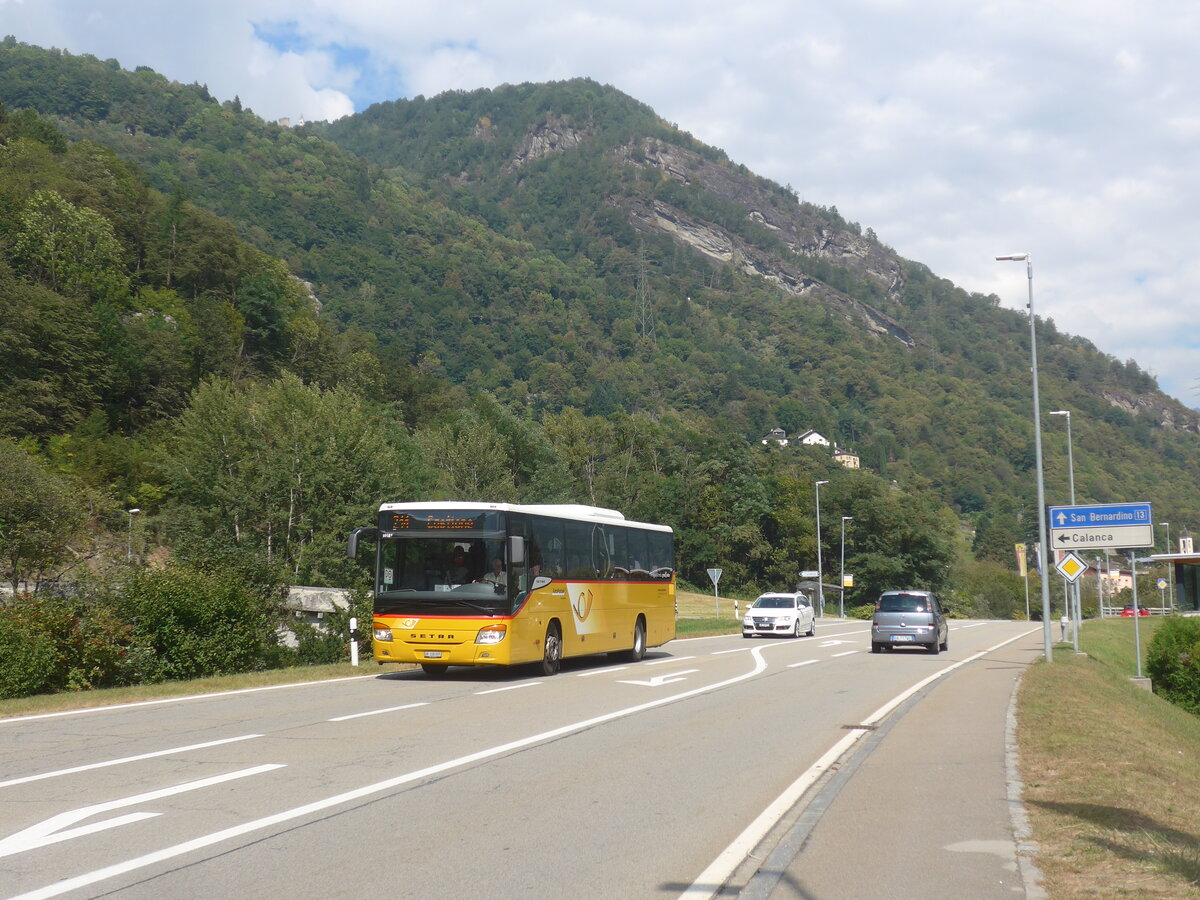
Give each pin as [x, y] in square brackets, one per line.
[552, 650]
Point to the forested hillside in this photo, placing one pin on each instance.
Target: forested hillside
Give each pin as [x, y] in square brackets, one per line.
[253, 334]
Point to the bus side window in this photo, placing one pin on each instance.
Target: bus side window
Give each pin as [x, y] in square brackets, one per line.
[661, 563]
[620, 553]
[578, 562]
[638, 556]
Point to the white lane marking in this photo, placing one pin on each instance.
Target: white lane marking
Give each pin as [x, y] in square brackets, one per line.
[659, 680]
[833, 643]
[807, 662]
[974, 625]
[376, 712]
[600, 672]
[94, 709]
[843, 653]
[149, 859]
[668, 659]
[713, 878]
[126, 759]
[511, 687]
[737, 650]
[50, 830]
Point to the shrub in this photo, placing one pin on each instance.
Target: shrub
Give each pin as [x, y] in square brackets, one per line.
[189, 623]
[330, 641]
[1173, 662]
[50, 644]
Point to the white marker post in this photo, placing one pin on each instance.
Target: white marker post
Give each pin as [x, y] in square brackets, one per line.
[353, 641]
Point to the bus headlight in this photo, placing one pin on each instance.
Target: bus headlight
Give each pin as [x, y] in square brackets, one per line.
[383, 635]
[491, 634]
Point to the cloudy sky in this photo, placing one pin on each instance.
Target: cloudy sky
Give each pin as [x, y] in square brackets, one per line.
[958, 129]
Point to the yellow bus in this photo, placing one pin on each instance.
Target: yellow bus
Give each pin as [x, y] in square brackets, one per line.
[498, 584]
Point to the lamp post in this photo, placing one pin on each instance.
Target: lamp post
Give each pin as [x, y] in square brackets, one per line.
[820, 574]
[1170, 567]
[129, 535]
[1074, 587]
[842, 589]
[1044, 562]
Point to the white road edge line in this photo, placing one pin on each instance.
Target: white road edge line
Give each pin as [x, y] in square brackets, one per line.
[712, 880]
[376, 712]
[126, 759]
[216, 837]
[209, 696]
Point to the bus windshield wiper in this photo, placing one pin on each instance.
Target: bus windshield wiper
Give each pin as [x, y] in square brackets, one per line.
[478, 606]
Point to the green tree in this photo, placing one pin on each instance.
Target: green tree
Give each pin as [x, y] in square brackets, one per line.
[68, 248]
[286, 470]
[40, 517]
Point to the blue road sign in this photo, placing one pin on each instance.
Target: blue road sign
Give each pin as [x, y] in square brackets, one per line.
[1105, 515]
[1109, 526]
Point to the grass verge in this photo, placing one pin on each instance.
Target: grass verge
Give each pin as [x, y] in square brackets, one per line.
[1111, 773]
[50, 703]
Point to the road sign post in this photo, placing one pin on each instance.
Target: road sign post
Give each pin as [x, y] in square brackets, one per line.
[715, 575]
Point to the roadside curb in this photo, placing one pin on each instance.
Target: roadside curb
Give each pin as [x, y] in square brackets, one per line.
[1027, 849]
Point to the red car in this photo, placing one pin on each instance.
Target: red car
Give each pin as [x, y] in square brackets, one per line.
[1128, 611]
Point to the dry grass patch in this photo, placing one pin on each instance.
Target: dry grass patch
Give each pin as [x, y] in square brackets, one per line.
[1112, 778]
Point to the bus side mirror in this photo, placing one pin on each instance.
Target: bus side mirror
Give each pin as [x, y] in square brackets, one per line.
[516, 550]
[352, 542]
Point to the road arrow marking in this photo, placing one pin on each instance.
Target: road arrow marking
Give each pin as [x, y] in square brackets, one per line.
[51, 830]
[658, 680]
[834, 643]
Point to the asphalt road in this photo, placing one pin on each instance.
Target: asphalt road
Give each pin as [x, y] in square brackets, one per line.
[654, 779]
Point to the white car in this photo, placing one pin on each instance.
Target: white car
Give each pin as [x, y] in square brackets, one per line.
[790, 615]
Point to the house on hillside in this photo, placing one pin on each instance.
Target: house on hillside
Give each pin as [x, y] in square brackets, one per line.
[811, 438]
[847, 458]
[778, 435]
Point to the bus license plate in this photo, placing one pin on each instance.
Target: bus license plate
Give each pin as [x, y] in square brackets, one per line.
[433, 654]
[901, 637]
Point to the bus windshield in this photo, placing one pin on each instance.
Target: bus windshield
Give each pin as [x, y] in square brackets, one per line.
[447, 575]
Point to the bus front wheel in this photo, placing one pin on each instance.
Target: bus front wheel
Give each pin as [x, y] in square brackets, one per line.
[552, 650]
[639, 641]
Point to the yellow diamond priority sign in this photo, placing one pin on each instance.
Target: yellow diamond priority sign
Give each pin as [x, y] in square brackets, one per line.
[1071, 567]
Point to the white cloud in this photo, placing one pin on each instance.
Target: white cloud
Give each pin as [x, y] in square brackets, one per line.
[957, 131]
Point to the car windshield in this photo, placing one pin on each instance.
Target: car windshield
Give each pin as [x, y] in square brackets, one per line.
[774, 603]
[903, 603]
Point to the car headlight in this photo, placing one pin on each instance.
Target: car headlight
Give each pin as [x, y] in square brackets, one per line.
[491, 634]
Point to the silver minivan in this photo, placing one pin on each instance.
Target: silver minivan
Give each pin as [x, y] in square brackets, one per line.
[907, 619]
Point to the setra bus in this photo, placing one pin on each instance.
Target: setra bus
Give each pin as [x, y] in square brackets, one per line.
[468, 584]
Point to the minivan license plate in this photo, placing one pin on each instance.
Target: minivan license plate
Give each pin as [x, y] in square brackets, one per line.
[433, 654]
[901, 637]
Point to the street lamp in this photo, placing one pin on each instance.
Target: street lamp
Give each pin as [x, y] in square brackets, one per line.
[842, 593]
[1044, 562]
[1074, 587]
[820, 575]
[129, 535]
